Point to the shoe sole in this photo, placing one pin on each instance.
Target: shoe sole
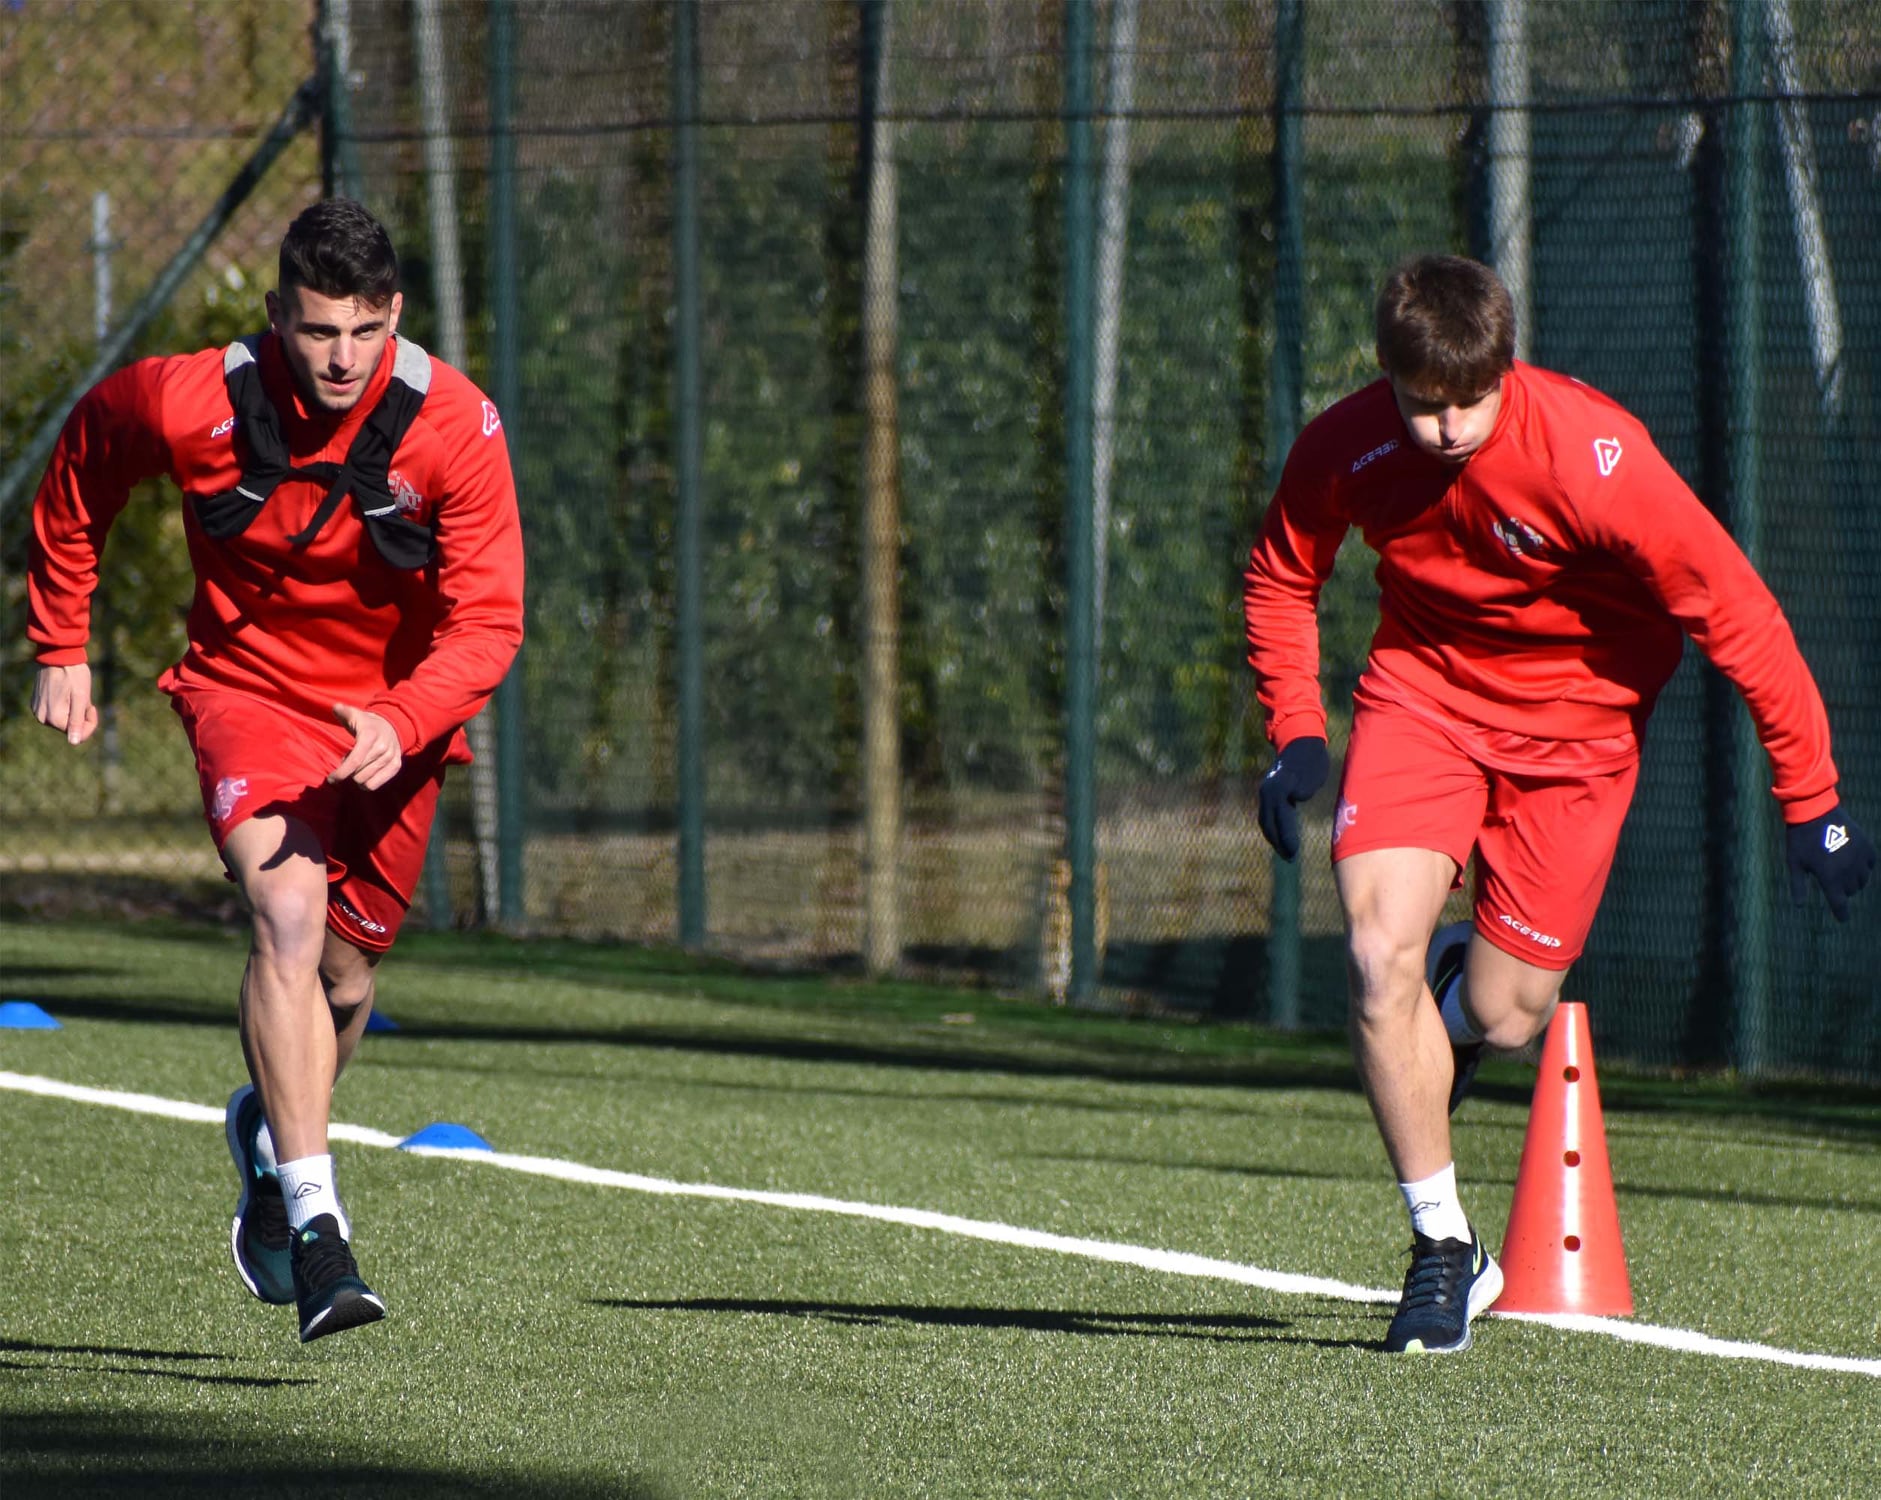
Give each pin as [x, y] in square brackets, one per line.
[348, 1310]
[239, 1155]
[1483, 1293]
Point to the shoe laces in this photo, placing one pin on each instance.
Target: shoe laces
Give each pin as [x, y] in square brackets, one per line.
[323, 1257]
[1438, 1268]
[267, 1216]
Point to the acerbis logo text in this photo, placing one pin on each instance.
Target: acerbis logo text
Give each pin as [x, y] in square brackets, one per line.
[1528, 932]
[346, 907]
[1377, 453]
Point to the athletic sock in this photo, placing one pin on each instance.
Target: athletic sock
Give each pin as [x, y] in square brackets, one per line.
[307, 1184]
[264, 1151]
[1436, 1210]
[1456, 1021]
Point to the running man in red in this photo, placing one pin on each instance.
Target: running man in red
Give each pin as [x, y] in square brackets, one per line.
[1538, 561]
[353, 528]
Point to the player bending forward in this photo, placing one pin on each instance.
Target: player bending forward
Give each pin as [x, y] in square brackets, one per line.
[352, 524]
[1537, 561]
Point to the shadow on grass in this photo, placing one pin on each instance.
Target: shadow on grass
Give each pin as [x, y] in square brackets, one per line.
[1212, 1327]
[900, 1024]
[1734, 1197]
[150, 1372]
[104, 1351]
[67, 1454]
[996, 1055]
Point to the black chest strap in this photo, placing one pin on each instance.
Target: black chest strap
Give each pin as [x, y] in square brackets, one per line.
[365, 474]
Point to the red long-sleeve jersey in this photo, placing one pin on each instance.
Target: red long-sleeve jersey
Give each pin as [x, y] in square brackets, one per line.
[329, 622]
[1540, 588]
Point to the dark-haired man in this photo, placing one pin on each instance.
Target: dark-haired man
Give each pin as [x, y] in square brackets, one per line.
[352, 524]
[1538, 562]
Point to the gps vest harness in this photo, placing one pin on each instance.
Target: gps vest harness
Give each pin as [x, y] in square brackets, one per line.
[365, 474]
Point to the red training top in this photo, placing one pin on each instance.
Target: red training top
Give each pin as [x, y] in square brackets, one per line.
[1537, 590]
[326, 623]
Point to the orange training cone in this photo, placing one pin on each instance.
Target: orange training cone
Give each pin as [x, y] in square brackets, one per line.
[1562, 1252]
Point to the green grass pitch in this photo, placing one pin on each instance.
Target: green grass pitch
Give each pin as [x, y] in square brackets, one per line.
[551, 1338]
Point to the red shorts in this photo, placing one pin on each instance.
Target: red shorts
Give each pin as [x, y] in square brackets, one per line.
[1544, 844]
[256, 757]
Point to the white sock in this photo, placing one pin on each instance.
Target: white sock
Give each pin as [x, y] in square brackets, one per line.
[1456, 1021]
[1436, 1210]
[307, 1184]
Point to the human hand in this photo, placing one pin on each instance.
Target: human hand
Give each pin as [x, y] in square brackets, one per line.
[375, 757]
[1834, 849]
[62, 701]
[1298, 771]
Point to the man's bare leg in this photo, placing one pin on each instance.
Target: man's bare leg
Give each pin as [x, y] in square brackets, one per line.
[1392, 900]
[287, 1030]
[305, 999]
[347, 975]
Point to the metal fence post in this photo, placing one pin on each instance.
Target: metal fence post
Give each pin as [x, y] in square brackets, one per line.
[1080, 564]
[1284, 383]
[1750, 883]
[689, 583]
[506, 385]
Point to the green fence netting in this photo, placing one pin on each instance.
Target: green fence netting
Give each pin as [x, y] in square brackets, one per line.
[1691, 168]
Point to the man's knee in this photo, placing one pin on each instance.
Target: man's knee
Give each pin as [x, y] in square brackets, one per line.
[290, 919]
[1386, 970]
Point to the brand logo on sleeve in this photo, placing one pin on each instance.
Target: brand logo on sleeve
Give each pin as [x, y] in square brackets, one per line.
[1607, 454]
[225, 426]
[1377, 453]
[491, 421]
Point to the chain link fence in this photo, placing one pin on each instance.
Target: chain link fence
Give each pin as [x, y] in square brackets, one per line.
[1656, 175]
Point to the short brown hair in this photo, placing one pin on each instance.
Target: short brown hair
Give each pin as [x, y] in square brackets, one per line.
[337, 248]
[1445, 327]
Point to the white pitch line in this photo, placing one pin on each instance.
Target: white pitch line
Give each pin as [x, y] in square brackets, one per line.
[1170, 1262]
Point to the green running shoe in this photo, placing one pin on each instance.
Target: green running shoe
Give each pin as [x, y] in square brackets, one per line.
[1449, 1282]
[327, 1284]
[258, 1238]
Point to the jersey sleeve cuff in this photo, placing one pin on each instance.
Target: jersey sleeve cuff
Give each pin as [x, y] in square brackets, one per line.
[1808, 809]
[1282, 732]
[60, 656]
[410, 738]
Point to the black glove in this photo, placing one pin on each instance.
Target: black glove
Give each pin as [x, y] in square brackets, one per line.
[1298, 771]
[1831, 848]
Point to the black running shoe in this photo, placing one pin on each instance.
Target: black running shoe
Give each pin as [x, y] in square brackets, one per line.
[327, 1284]
[1449, 947]
[1449, 1282]
[258, 1238]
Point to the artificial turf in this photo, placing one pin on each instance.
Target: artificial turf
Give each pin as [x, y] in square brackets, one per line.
[553, 1338]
